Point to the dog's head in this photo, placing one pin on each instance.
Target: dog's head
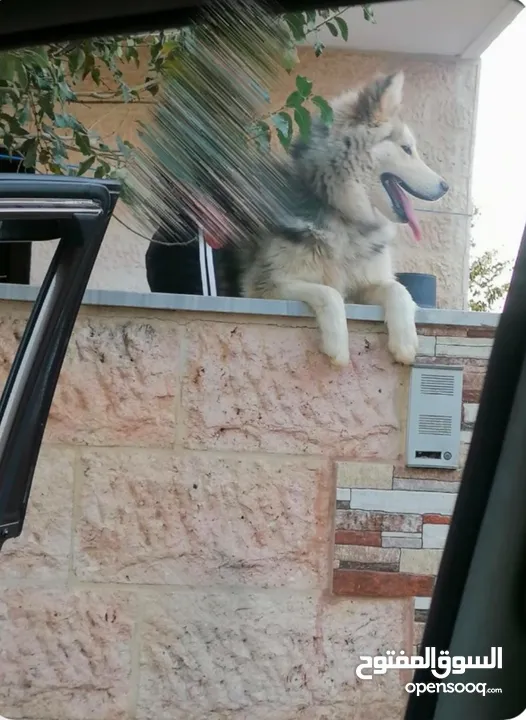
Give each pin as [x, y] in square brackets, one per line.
[382, 158]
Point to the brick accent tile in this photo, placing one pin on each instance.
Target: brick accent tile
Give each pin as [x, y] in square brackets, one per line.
[356, 537]
[421, 616]
[419, 628]
[365, 520]
[379, 584]
[465, 347]
[377, 567]
[481, 332]
[426, 345]
[434, 535]
[469, 414]
[401, 471]
[420, 484]
[432, 519]
[364, 475]
[401, 540]
[364, 554]
[402, 501]
[472, 384]
[420, 562]
[442, 330]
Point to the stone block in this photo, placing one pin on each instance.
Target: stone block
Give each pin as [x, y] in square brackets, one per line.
[65, 656]
[268, 387]
[232, 656]
[202, 519]
[118, 384]
[42, 552]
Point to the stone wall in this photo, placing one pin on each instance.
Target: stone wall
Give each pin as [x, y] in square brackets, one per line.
[177, 557]
[440, 104]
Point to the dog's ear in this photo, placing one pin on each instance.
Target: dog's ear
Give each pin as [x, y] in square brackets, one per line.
[380, 101]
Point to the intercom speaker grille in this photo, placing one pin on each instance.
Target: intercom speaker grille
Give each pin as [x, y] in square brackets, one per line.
[437, 384]
[435, 424]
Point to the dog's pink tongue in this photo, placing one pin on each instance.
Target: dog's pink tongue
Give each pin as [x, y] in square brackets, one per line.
[411, 216]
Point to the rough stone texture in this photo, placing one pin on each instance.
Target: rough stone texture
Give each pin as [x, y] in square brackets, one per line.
[440, 105]
[118, 381]
[269, 657]
[64, 656]
[200, 519]
[245, 389]
[118, 384]
[42, 551]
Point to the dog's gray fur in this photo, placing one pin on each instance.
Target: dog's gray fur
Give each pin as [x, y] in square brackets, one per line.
[336, 246]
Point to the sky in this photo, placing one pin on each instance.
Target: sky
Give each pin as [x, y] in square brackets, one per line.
[499, 170]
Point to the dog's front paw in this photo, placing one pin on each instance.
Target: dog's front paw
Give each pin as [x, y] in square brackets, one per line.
[336, 346]
[404, 346]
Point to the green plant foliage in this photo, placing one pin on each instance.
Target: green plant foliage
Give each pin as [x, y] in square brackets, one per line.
[42, 90]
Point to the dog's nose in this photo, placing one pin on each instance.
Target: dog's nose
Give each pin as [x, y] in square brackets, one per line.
[444, 186]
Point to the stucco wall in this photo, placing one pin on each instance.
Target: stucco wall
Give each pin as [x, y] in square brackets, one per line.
[440, 104]
[177, 558]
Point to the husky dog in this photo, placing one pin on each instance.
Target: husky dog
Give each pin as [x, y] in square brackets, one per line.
[353, 178]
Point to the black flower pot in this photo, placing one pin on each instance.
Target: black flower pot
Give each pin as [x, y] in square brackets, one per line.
[422, 288]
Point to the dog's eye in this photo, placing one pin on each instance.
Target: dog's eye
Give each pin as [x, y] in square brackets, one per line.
[407, 149]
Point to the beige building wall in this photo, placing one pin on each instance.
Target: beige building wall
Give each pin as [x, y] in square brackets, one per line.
[440, 105]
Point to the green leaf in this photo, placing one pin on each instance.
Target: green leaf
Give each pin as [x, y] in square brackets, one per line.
[283, 124]
[85, 165]
[368, 13]
[303, 121]
[124, 147]
[8, 63]
[333, 29]
[262, 135]
[76, 60]
[95, 76]
[65, 120]
[296, 23]
[325, 109]
[28, 150]
[103, 170]
[66, 92]
[83, 143]
[46, 104]
[21, 73]
[303, 86]
[290, 59]
[344, 30]
[294, 100]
